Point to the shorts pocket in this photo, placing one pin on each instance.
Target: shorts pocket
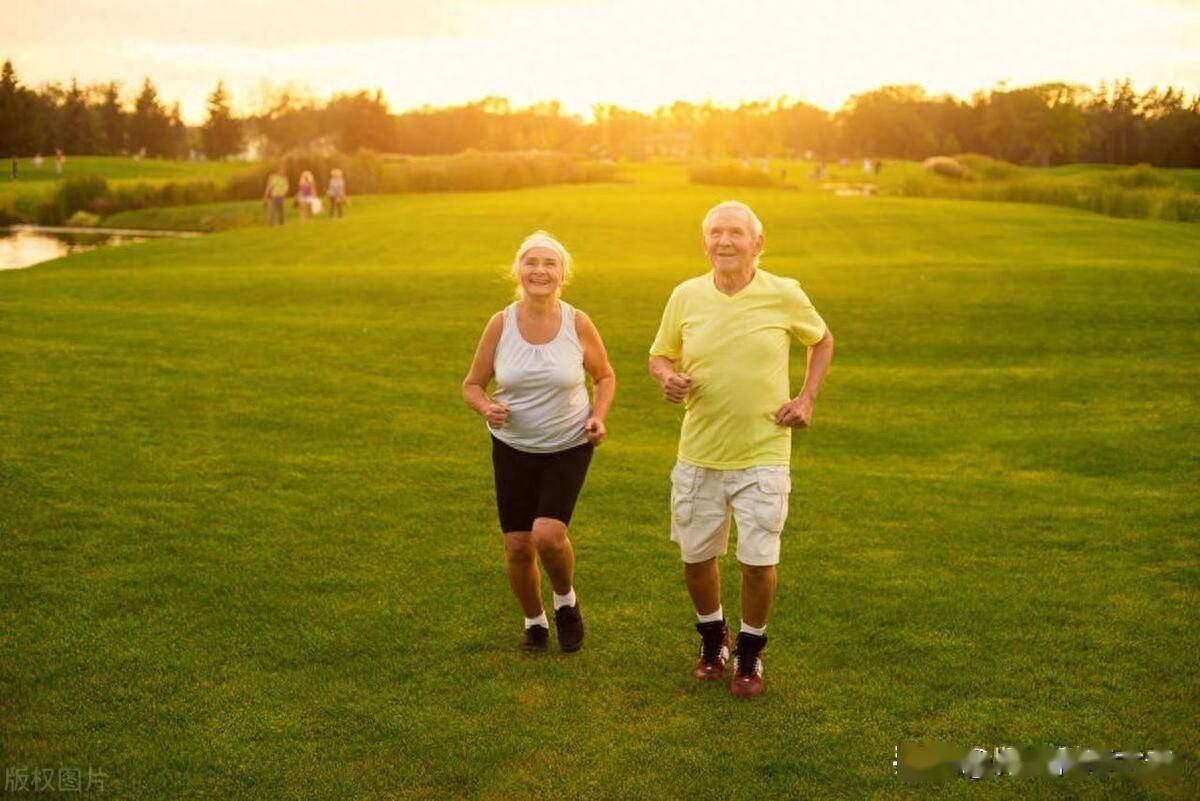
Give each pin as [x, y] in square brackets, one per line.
[771, 502]
[685, 479]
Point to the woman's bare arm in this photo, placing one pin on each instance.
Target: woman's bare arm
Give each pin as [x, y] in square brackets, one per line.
[474, 386]
[604, 380]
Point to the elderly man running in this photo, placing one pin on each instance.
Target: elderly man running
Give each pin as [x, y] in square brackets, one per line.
[722, 349]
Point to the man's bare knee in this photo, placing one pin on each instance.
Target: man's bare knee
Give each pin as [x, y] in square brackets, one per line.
[548, 534]
[699, 568]
[758, 572]
[518, 549]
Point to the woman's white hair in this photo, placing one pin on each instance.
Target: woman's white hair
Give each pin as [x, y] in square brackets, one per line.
[541, 239]
[756, 226]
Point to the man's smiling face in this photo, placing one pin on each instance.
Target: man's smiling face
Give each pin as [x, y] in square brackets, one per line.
[730, 242]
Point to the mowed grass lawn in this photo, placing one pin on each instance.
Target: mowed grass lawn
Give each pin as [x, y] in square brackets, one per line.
[34, 186]
[249, 546]
[120, 168]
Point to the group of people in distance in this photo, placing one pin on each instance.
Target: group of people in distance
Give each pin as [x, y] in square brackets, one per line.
[308, 203]
[722, 350]
[60, 159]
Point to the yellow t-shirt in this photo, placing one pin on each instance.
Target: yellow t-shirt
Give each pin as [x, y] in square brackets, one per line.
[277, 185]
[736, 351]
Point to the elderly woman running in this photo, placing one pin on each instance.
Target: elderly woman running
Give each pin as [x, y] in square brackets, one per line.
[543, 430]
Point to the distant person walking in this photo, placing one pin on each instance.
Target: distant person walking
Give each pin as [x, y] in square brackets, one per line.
[275, 195]
[336, 192]
[14, 168]
[60, 159]
[306, 196]
[543, 430]
[722, 350]
[37, 162]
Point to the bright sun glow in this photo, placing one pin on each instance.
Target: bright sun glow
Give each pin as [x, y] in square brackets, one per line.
[635, 53]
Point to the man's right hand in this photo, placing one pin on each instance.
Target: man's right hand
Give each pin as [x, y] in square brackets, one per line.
[675, 387]
[496, 414]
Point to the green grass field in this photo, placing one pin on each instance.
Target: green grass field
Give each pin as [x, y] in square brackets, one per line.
[1174, 195]
[1189, 179]
[36, 186]
[250, 548]
[115, 168]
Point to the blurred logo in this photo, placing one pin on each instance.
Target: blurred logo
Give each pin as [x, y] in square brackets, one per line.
[918, 763]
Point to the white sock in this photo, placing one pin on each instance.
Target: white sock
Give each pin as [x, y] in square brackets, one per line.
[540, 620]
[746, 627]
[711, 617]
[564, 600]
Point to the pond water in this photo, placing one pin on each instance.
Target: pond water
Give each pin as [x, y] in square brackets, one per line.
[27, 245]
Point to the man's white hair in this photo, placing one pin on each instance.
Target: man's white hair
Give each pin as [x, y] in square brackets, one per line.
[756, 226]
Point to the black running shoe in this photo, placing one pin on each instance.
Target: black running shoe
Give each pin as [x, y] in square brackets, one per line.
[537, 638]
[569, 623]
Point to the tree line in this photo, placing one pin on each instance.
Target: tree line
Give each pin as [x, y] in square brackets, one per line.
[1052, 123]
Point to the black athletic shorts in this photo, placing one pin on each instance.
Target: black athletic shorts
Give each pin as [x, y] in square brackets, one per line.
[530, 485]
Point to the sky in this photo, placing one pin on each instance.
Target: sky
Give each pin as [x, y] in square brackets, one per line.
[634, 53]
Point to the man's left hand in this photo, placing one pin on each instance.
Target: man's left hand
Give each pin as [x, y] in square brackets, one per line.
[796, 413]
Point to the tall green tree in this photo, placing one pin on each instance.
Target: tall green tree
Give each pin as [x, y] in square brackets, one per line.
[149, 127]
[78, 130]
[1114, 124]
[112, 119]
[805, 127]
[1172, 130]
[178, 140]
[15, 131]
[222, 132]
[290, 121]
[621, 134]
[888, 121]
[360, 121]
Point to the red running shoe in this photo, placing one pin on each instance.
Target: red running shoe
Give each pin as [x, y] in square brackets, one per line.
[748, 669]
[714, 650]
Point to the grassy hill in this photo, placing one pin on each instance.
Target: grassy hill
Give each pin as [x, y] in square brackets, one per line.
[250, 547]
[36, 186]
[1139, 192]
[116, 168]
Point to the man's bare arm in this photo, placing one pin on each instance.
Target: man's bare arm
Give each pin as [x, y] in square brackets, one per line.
[797, 413]
[674, 385]
[819, 357]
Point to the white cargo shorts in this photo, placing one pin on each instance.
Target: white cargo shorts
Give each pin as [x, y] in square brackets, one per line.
[701, 503]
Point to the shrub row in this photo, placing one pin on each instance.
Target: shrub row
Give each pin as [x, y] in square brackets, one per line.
[944, 166]
[985, 168]
[366, 173]
[1108, 198]
[1139, 176]
[471, 171]
[475, 171]
[729, 173]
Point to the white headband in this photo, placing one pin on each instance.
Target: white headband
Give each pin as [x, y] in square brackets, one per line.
[543, 241]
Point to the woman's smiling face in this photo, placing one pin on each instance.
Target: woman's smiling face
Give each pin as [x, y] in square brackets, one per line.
[541, 272]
